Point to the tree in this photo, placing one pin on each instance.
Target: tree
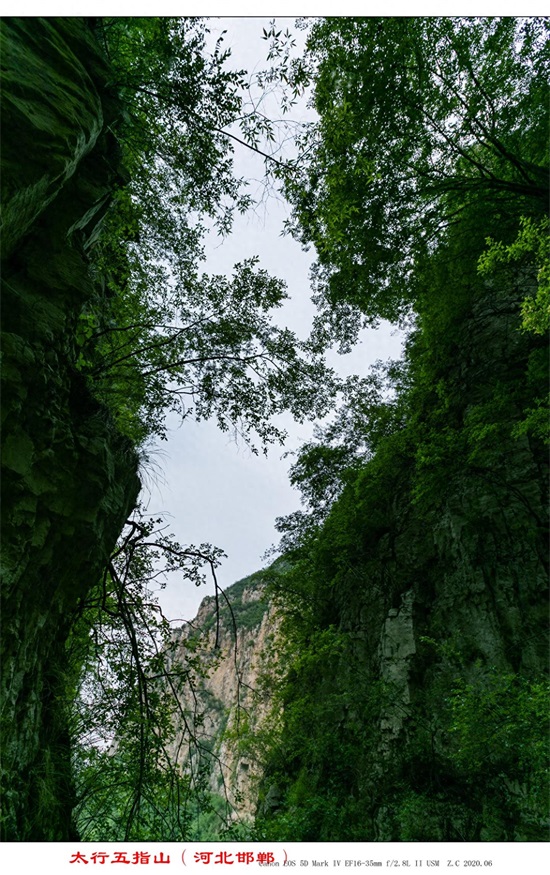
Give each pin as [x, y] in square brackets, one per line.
[417, 118]
[164, 336]
[161, 335]
[423, 189]
[127, 678]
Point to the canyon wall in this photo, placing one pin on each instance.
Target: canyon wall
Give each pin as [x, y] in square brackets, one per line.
[227, 701]
[69, 479]
[415, 707]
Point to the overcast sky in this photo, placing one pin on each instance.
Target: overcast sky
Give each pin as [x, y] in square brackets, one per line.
[212, 489]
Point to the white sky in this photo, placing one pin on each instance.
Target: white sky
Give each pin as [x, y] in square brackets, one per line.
[211, 489]
[214, 490]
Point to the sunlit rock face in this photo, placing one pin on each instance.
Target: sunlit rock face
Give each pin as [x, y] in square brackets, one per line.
[68, 478]
[229, 705]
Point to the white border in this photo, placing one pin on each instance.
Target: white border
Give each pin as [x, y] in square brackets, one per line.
[275, 8]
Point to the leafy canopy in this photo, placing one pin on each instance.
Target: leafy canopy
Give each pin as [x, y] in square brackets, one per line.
[163, 335]
[423, 185]
[417, 117]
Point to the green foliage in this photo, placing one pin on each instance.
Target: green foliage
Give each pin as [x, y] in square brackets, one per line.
[212, 823]
[204, 347]
[532, 245]
[530, 250]
[423, 817]
[167, 804]
[422, 187]
[163, 335]
[537, 419]
[474, 765]
[495, 754]
[454, 107]
[322, 742]
[432, 136]
[500, 721]
[128, 684]
[372, 531]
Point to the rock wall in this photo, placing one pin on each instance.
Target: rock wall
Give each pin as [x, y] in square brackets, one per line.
[468, 597]
[228, 707]
[415, 709]
[69, 479]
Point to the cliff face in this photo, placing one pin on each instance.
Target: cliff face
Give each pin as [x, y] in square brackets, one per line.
[416, 710]
[229, 705]
[413, 677]
[68, 478]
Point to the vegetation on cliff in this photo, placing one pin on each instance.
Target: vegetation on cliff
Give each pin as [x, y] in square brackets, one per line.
[412, 678]
[415, 703]
[107, 325]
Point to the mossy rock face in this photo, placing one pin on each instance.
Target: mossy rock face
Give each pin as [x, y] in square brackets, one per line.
[68, 478]
[52, 114]
[416, 705]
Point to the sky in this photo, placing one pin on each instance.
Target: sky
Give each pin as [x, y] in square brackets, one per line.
[209, 488]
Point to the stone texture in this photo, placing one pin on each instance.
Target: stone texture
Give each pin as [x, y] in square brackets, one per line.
[397, 646]
[431, 594]
[68, 478]
[230, 704]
